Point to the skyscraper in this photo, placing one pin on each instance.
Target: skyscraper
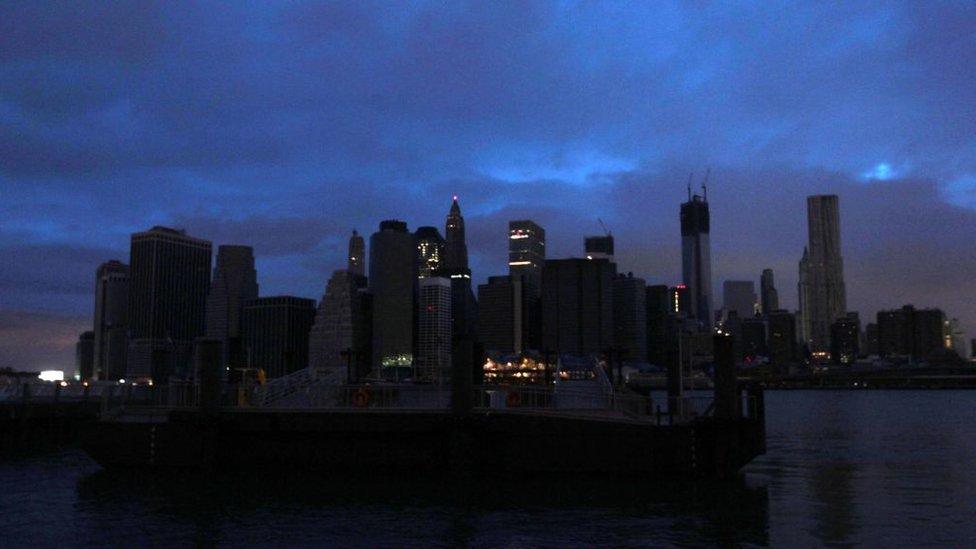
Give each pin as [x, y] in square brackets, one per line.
[768, 293]
[739, 296]
[393, 283]
[169, 280]
[782, 336]
[822, 295]
[599, 247]
[463, 303]
[430, 252]
[434, 330]
[508, 314]
[275, 333]
[577, 306]
[630, 317]
[340, 336]
[357, 254]
[456, 256]
[234, 282]
[85, 355]
[526, 251]
[696, 261]
[658, 309]
[111, 320]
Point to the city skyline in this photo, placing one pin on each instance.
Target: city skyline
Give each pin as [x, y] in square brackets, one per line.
[565, 136]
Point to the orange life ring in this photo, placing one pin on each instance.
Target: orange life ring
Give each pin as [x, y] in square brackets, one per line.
[360, 398]
[513, 399]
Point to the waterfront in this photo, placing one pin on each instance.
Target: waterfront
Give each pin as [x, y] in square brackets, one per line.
[878, 468]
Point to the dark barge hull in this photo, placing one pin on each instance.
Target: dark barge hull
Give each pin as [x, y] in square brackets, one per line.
[414, 441]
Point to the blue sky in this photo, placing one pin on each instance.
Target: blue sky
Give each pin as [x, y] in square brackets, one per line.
[286, 125]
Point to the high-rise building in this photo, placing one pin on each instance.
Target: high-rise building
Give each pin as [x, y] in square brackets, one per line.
[169, 280]
[658, 308]
[871, 339]
[739, 296]
[464, 307]
[234, 281]
[393, 283]
[577, 306]
[526, 251]
[823, 298]
[430, 252]
[768, 293]
[696, 260]
[508, 314]
[340, 336]
[918, 334]
[751, 339]
[275, 333]
[111, 320]
[356, 263]
[85, 356]
[845, 345]
[680, 300]
[781, 339]
[434, 330]
[599, 247]
[630, 317]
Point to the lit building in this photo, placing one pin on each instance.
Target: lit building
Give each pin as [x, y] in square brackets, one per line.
[630, 317]
[696, 261]
[168, 285]
[768, 293]
[739, 296]
[85, 356]
[577, 306]
[680, 300]
[392, 282]
[515, 369]
[275, 333]
[823, 298]
[111, 339]
[526, 251]
[356, 263]
[508, 314]
[340, 336]
[430, 251]
[434, 331]
[234, 282]
[599, 247]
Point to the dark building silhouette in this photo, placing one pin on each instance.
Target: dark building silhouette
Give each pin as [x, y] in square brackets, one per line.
[752, 338]
[918, 334]
[168, 286]
[599, 247]
[823, 298]
[431, 252]
[845, 344]
[781, 340]
[526, 252]
[739, 296]
[463, 303]
[356, 263]
[234, 281]
[768, 294]
[275, 332]
[341, 336]
[696, 261]
[434, 340]
[577, 306]
[85, 355]
[630, 317]
[871, 339]
[111, 338]
[393, 283]
[658, 309]
[508, 314]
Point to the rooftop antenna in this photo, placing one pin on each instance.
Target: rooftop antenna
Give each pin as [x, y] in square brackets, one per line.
[705, 184]
[691, 175]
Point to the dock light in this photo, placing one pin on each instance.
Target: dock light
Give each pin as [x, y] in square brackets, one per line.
[64, 383]
[150, 383]
[121, 382]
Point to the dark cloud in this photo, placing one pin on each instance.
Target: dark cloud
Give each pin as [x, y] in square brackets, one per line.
[38, 341]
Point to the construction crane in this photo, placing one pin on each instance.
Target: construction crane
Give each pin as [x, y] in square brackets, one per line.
[604, 226]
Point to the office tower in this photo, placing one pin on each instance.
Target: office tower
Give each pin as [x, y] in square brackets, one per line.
[508, 314]
[393, 283]
[696, 262]
[434, 330]
[781, 340]
[822, 296]
[430, 252]
[599, 247]
[526, 252]
[767, 290]
[275, 333]
[169, 280]
[234, 282]
[577, 306]
[111, 320]
[739, 296]
[918, 334]
[357, 254]
[630, 317]
[845, 340]
[340, 337]
[463, 304]
[657, 307]
[85, 356]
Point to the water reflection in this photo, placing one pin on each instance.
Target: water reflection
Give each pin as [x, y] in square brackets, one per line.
[370, 510]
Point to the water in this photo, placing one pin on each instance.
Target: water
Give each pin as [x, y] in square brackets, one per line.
[875, 468]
